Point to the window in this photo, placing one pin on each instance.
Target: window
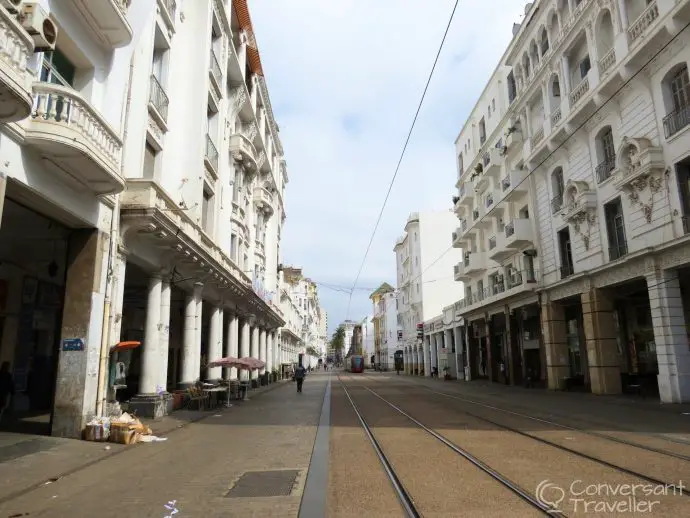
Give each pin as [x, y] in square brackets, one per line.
[150, 158]
[585, 65]
[58, 69]
[606, 153]
[493, 104]
[615, 227]
[512, 88]
[207, 210]
[566, 253]
[233, 247]
[557, 188]
[237, 186]
[461, 166]
[676, 87]
[482, 131]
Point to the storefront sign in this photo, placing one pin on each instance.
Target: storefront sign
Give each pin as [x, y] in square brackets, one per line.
[72, 344]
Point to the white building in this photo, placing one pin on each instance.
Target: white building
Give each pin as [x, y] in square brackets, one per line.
[145, 182]
[368, 340]
[300, 303]
[424, 285]
[573, 199]
[387, 329]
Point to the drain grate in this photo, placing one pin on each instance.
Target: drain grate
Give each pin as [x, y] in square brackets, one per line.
[254, 484]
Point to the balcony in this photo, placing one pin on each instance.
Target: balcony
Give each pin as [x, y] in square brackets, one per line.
[215, 74]
[168, 10]
[493, 162]
[605, 169]
[514, 140]
[459, 272]
[466, 195]
[514, 185]
[259, 249]
[517, 234]
[263, 199]
[243, 150]
[675, 121]
[70, 134]
[514, 283]
[211, 157]
[16, 46]
[158, 108]
[556, 203]
[477, 262]
[106, 20]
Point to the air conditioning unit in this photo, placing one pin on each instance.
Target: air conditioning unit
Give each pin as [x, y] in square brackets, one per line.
[41, 28]
[12, 6]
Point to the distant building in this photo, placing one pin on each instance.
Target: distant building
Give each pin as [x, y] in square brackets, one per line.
[423, 260]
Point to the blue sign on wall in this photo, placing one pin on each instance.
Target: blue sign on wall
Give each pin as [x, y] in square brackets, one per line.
[72, 344]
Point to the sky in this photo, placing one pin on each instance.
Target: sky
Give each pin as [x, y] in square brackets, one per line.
[345, 78]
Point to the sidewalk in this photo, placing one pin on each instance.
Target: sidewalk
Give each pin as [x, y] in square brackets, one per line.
[30, 461]
[197, 466]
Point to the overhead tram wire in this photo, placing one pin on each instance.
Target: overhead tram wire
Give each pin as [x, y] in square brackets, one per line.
[402, 155]
[579, 127]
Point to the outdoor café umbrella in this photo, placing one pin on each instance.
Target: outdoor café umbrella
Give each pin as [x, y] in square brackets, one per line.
[229, 362]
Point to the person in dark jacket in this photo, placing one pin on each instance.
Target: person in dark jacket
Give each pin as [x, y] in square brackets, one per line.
[6, 387]
[300, 374]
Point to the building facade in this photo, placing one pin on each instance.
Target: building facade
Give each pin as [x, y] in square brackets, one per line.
[424, 285]
[573, 203]
[300, 296]
[387, 331]
[141, 144]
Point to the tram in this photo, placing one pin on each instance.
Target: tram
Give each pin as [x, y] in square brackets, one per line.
[355, 363]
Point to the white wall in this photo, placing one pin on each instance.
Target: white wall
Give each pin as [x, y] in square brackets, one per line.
[437, 285]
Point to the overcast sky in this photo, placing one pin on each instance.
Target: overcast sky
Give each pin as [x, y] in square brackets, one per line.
[345, 78]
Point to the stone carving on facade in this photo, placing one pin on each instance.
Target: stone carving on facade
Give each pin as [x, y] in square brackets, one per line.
[580, 209]
[237, 100]
[155, 129]
[640, 168]
[261, 159]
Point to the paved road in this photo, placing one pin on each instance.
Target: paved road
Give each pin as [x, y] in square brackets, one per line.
[283, 450]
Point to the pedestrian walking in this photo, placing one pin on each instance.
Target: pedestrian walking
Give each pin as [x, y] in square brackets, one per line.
[6, 387]
[300, 373]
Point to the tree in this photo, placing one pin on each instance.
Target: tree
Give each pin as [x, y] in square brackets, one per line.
[338, 340]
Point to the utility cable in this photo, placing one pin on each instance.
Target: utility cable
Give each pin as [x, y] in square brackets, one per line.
[402, 155]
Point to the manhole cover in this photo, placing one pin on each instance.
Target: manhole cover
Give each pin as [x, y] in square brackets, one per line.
[264, 483]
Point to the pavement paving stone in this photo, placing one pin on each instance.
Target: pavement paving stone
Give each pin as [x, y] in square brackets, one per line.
[196, 466]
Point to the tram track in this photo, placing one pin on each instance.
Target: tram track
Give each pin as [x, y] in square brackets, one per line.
[541, 420]
[408, 502]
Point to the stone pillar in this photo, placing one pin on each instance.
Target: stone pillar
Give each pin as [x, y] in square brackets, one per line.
[670, 336]
[623, 14]
[254, 348]
[433, 351]
[150, 355]
[602, 348]
[198, 292]
[232, 345]
[77, 374]
[555, 343]
[164, 336]
[510, 359]
[269, 352]
[215, 344]
[118, 299]
[189, 344]
[244, 346]
[262, 349]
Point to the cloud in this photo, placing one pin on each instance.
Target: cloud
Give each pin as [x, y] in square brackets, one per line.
[345, 78]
